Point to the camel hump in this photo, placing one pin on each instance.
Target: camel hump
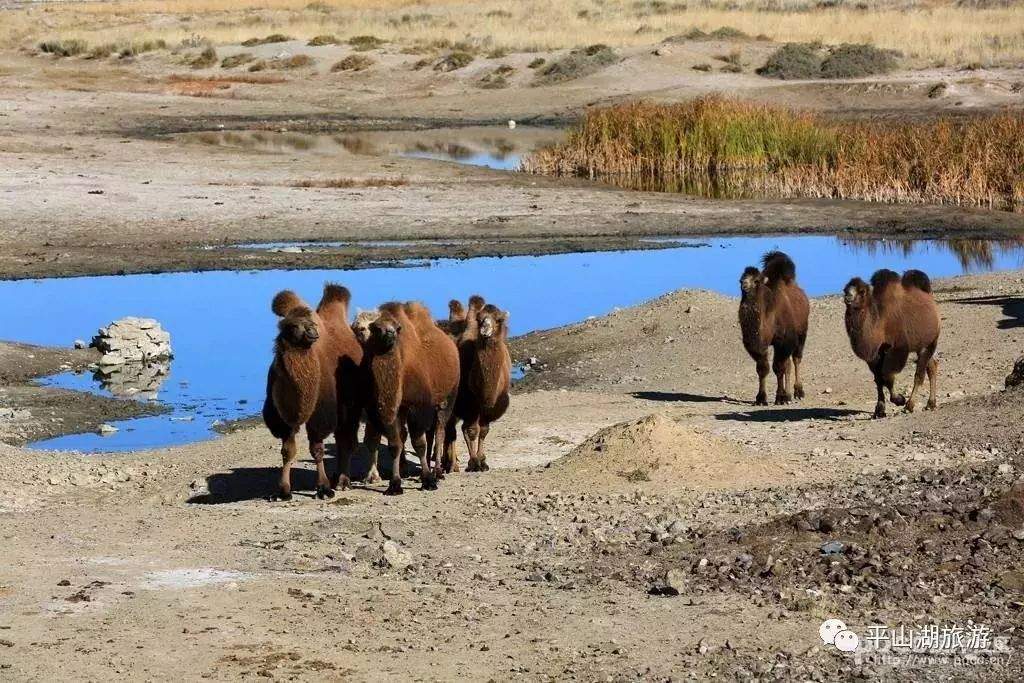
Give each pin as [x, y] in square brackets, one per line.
[917, 278]
[456, 311]
[284, 301]
[881, 280]
[476, 302]
[778, 267]
[337, 295]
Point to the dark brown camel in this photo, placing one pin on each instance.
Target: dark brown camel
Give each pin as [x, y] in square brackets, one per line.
[886, 322]
[773, 313]
[313, 381]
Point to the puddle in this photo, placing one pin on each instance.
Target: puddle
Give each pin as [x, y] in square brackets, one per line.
[189, 578]
[222, 329]
[499, 148]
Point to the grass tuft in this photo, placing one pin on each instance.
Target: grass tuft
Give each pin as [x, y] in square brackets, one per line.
[326, 39]
[272, 38]
[746, 149]
[364, 43]
[69, 47]
[231, 61]
[454, 61]
[205, 59]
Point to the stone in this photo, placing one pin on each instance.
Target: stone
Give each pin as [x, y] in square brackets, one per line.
[394, 556]
[832, 548]
[105, 429]
[80, 344]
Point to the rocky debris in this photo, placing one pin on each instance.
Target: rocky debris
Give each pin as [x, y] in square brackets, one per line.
[394, 556]
[106, 429]
[132, 340]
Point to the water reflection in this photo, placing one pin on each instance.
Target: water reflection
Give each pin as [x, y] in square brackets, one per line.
[133, 380]
[223, 328]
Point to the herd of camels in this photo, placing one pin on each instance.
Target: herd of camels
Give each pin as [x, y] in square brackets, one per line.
[408, 376]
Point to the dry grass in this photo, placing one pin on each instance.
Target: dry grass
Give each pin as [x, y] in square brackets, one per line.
[720, 146]
[927, 31]
[347, 183]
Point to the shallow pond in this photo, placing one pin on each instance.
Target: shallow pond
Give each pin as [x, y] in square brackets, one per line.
[222, 328]
[490, 147]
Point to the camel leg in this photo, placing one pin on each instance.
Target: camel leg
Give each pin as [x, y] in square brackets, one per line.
[372, 442]
[933, 372]
[396, 439]
[893, 363]
[481, 457]
[762, 375]
[471, 430]
[780, 364]
[880, 387]
[451, 455]
[323, 484]
[289, 450]
[798, 355]
[923, 360]
[346, 438]
[419, 444]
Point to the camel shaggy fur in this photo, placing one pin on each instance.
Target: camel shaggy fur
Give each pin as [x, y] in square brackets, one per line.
[313, 381]
[773, 313]
[486, 378]
[412, 372]
[888, 320]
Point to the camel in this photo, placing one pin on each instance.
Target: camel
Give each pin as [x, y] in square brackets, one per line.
[456, 322]
[313, 381]
[773, 313]
[484, 385]
[888, 320]
[412, 371]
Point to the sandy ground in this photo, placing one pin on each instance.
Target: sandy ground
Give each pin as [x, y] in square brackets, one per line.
[642, 519]
[93, 170]
[683, 541]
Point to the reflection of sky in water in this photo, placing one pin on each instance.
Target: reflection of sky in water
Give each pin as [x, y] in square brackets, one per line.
[222, 329]
[501, 162]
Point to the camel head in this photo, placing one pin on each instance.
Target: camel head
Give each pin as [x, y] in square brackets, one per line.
[298, 329]
[856, 294]
[361, 325]
[456, 311]
[492, 322]
[384, 331]
[750, 281]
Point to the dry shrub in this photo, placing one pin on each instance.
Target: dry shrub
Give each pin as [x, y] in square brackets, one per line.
[272, 38]
[364, 43]
[704, 66]
[758, 150]
[353, 63]
[536, 63]
[576, 64]
[205, 59]
[811, 60]
[293, 62]
[345, 183]
[454, 61]
[231, 61]
[327, 39]
[498, 78]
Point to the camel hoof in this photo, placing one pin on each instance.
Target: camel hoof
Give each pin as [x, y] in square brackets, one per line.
[484, 467]
[761, 400]
[394, 488]
[880, 410]
[930, 405]
[782, 400]
[343, 483]
[472, 466]
[899, 400]
[324, 492]
[429, 482]
[283, 495]
[909, 407]
[372, 477]
[798, 392]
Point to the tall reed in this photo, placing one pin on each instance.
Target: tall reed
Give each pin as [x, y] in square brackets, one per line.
[749, 149]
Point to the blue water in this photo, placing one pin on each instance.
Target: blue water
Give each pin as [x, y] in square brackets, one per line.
[222, 329]
[501, 162]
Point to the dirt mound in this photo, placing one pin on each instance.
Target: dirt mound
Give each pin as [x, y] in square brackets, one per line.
[655, 451]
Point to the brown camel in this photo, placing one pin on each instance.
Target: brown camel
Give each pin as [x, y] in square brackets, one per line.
[412, 371]
[886, 322]
[773, 313]
[313, 381]
[456, 322]
[484, 386]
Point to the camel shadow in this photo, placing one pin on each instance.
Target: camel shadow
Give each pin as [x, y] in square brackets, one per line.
[1013, 308]
[789, 414]
[242, 484]
[682, 397]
